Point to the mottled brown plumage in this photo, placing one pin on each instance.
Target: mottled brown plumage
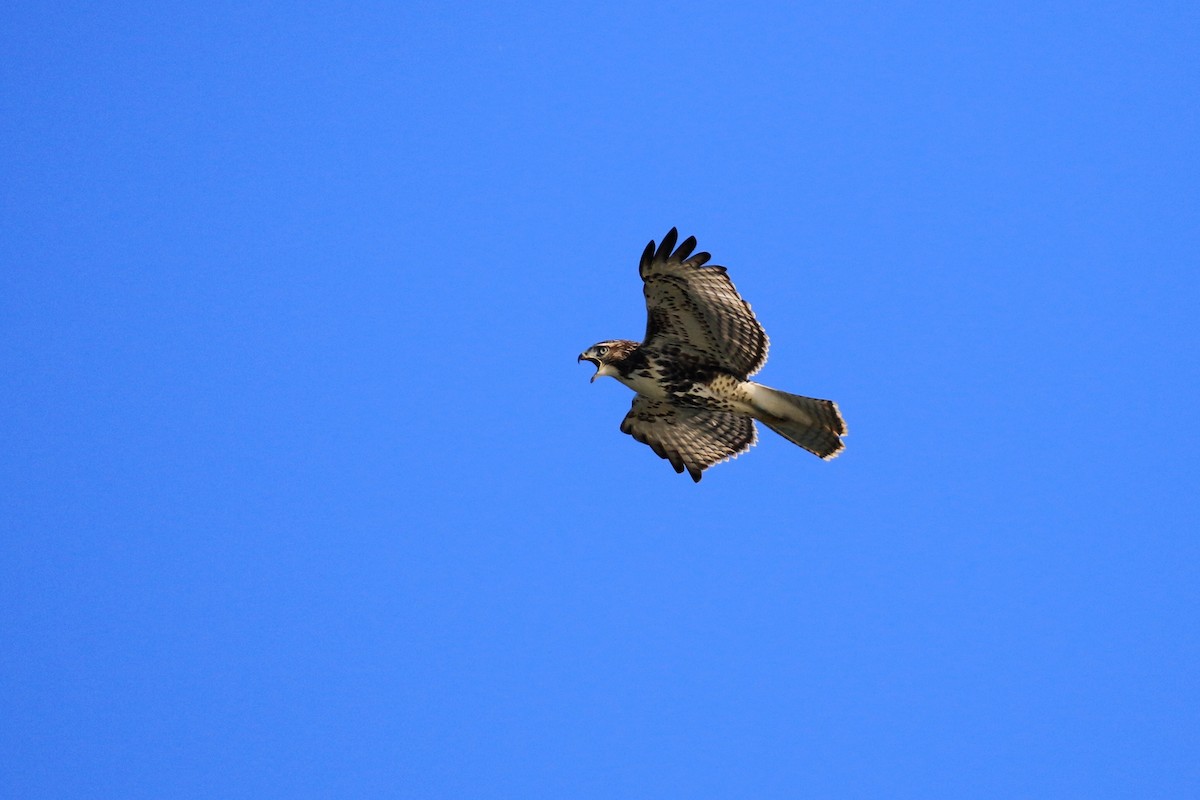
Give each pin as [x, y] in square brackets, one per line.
[695, 404]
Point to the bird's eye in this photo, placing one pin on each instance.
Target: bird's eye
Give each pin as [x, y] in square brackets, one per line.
[601, 350]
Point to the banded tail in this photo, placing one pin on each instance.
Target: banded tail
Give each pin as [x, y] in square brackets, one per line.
[816, 425]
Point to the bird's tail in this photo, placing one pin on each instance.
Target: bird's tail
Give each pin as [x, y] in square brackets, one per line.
[816, 425]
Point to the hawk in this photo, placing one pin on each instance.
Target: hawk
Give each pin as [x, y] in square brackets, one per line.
[695, 405]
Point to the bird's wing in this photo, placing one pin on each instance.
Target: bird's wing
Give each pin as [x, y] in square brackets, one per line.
[689, 438]
[694, 309]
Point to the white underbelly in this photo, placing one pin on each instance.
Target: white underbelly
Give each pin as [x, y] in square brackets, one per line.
[647, 387]
[724, 392]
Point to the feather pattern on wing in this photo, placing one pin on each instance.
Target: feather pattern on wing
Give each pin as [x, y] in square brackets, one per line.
[694, 309]
[692, 439]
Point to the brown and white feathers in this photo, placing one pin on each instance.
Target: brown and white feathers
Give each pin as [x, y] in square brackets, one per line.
[695, 405]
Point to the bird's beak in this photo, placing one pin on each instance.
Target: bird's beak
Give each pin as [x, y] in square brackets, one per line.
[595, 361]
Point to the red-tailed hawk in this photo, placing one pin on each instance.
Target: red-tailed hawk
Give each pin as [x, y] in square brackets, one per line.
[695, 404]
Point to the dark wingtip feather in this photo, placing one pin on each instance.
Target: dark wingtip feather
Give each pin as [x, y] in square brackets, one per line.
[700, 258]
[695, 473]
[684, 250]
[667, 245]
[648, 253]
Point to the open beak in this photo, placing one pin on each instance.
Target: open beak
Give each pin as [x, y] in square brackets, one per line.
[595, 361]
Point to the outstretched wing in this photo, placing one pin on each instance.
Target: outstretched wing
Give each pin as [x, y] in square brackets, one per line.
[694, 309]
[688, 437]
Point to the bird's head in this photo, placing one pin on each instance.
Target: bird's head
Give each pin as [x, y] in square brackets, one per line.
[606, 354]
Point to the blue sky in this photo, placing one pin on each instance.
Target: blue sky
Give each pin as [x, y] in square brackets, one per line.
[304, 494]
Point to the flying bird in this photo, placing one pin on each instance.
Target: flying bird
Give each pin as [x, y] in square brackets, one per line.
[695, 404]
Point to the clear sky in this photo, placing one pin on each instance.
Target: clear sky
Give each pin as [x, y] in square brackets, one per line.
[305, 495]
